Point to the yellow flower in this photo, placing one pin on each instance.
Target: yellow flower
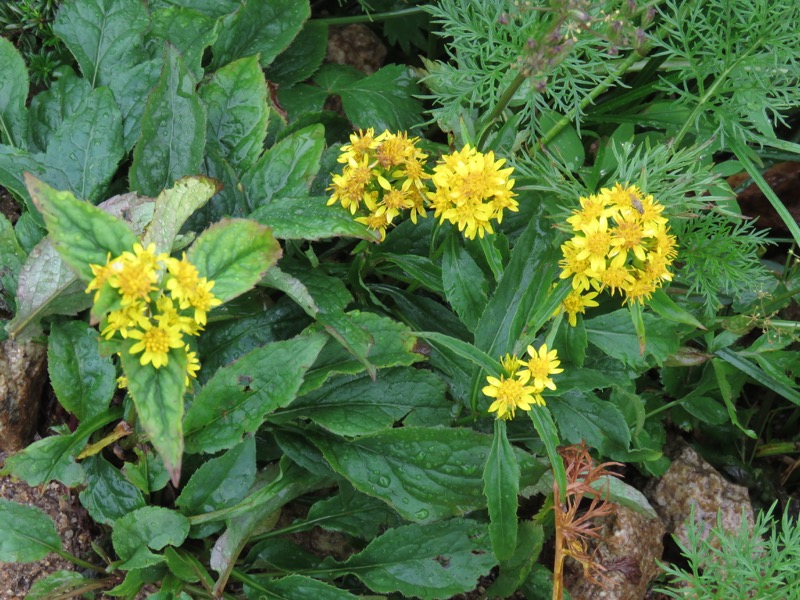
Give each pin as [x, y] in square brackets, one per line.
[183, 279]
[593, 208]
[167, 315]
[511, 364]
[572, 267]
[155, 341]
[628, 236]
[202, 300]
[377, 220]
[192, 365]
[511, 394]
[542, 364]
[134, 273]
[360, 144]
[122, 320]
[576, 303]
[393, 149]
[594, 245]
[101, 275]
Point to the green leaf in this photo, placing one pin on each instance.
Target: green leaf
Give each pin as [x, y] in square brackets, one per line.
[353, 513]
[190, 31]
[14, 86]
[235, 98]
[145, 529]
[84, 152]
[220, 482]
[265, 27]
[295, 587]
[108, 495]
[425, 474]
[12, 257]
[173, 130]
[83, 381]
[50, 108]
[357, 405]
[567, 145]
[530, 538]
[308, 218]
[384, 100]
[663, 305]
[148, 473]
[52, 458]
[523, 287]
[465, 285]
[615, 335]
[234, 254]
[543, 423]
[287, 168]
[237, 398]
[738, 361]
[130, 85]
[228, 202]
[81, 233]
[418, 269]
[584, 416]
[101, 34]
[28, 533]
[55, 584]
[303, 57]
[425, 561]
[158, 397]
[186, 566]
[464, 350]
[174, 206]
[501, 486]
[619, 492]
[14, 163]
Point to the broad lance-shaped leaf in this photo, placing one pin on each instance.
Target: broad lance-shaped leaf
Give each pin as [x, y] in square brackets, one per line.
[235, 98]
[108, 495]
[234, 254]
[158, 397]
[174, 206]
[424, 561]
[583, 416]
[28, 533]
[265, 28]
[82, 234]
[287, 168]
[13, 95]
[51, 107]
[295, 587]
[189, 30]
[357, 405]
[101, 34]
[309, 218]
[501, 486]
[465, 284]
[425, 474]
[83, 381]
[173, 130]
[237, 399]
[84, 152]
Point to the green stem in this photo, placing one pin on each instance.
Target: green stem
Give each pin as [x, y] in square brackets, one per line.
[78, 561]
[501, 105]
[776, 449]
[591, 97]
[393, 14]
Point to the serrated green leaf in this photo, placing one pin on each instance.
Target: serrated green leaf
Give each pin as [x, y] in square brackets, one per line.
[108, 495]
[130, 86]
[357, 405]
[81, 233]
[501, 486]
[84, 151]
[465, 285]
[174, 206]
[234, 254]
[425, 561]
[101, 34]
[50, 108]
[308, 218]
[83, 381]
[52, 457]
[265, 28]
[190, 31]
[28, 533]
[220, 482]
[425, 474]
[287, 168]
[173, 130]
[14, 84]
[584, 416]
[145, 529]
[235, 98]
[384, 100]
[158, 397]
[295, 587]
[237, 398]
[615, 335]
[54, 584]
[303, 57]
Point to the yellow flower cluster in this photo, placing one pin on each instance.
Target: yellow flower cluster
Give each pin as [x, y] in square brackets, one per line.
[523, 382]
[157, 300]
[385, 175]
[621, 242]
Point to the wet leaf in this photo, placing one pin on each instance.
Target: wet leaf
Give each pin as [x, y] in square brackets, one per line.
[14, 86]
[108, 495]
[28, 533]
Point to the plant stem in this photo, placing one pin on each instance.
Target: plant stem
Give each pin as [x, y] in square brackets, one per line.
[508, 94]
[558, 561]
[78, 561]
[591, 97]
[370, 18]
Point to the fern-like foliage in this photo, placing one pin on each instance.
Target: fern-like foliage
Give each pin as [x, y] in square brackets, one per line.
[734, 63]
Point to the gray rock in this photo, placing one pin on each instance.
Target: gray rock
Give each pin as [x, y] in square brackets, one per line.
[22, 376]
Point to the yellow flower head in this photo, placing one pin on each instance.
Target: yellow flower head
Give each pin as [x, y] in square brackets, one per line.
[541, 365]
[360, 144]
[202, 300]
[155, 341]
[123, 320]
[576, 304]
[183, 279]
[511, 364]
[510, 394]
[192, 365]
